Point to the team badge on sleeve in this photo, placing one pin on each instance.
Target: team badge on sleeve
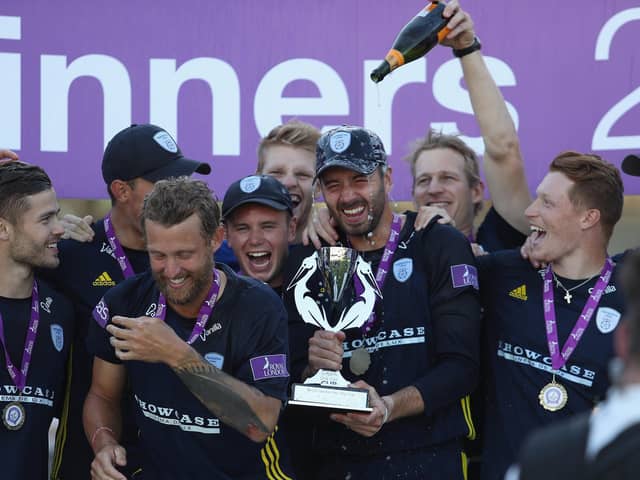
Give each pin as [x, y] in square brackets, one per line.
[464, 276]
[402, 269]
[57, 336]
[269, 366]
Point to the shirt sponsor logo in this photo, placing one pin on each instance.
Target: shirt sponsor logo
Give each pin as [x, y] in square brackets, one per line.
[212, 329]
[525, 356]
[269, 366]
[104, 280]
[215, 359]
[464, 276]
[607, 319]
[402, 269]
[519, 292]
[385, 339]
[46, 304]
[106, 248]
[29, 394]
[57, 336]
[101, 313]
[171, 417]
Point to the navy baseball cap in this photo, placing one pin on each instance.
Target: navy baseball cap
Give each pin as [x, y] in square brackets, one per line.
[631, 165]
[355, 148]
[262, 189]
[146, 151]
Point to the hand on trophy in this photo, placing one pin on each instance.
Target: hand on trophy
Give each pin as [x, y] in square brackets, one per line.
[365, 424]
[325, 351]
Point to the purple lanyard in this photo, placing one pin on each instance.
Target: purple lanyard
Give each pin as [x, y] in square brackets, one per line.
[20, 377]
[383, 266]
[205, 309]
[559, 359]
[116, 246]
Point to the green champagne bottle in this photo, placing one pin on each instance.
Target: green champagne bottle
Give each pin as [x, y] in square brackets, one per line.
[417, 37]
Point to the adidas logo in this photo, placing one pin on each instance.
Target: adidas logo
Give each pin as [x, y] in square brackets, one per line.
[520, 293]
[104, 280]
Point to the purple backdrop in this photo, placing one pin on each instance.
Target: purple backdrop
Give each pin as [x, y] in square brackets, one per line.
[268, 61]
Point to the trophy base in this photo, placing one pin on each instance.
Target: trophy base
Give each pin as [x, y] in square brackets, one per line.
[327, 389]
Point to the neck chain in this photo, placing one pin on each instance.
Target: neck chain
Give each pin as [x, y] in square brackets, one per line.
[567, 291]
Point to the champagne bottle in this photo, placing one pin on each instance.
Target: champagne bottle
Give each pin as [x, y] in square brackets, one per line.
[417, 37]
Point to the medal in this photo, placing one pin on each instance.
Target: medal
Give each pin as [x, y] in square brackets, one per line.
[553, 396]
[13, 416]
[359, 361]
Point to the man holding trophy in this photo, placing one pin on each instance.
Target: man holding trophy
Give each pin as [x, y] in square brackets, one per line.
[397, 315]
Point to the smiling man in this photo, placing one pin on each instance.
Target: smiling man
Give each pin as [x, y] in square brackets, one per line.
[205, 351]
[550, 332]
[422, 341]
[257, 212]
[36, 322]
[288, 154]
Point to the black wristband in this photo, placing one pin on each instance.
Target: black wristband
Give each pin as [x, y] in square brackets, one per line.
[476, 45]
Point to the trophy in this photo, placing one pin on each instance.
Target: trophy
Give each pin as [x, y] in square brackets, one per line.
[338, 266]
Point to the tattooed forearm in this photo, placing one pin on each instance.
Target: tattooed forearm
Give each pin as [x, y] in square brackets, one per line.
[222, 394]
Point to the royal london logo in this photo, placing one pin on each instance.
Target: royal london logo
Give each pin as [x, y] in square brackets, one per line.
[104, 280]
[519, 292]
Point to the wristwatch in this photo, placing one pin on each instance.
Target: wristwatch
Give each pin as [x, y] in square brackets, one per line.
[476, 45]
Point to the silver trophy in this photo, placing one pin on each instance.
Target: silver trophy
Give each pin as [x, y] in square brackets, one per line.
[338, 265]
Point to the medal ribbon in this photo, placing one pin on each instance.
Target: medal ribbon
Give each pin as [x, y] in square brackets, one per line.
[559, 359]
[383, 266]
[205, 309]
[116, 246]
[19, 377]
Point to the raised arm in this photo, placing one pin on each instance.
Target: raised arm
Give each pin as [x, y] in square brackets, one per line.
[503, 163]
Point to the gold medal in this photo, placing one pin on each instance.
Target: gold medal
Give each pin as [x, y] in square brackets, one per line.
[359, 361]
[553, 396]
[13, 416]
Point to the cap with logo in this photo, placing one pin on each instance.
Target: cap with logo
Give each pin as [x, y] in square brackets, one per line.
[261, 189]
[351, 147]
[631, 165]
[149, 152]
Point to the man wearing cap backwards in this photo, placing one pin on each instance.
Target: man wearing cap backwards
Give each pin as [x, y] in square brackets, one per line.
[205, 351]
[422, 342]
[550, 331]
[134, 159]
[36, 322]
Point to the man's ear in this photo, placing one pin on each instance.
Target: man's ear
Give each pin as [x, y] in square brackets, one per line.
[120, 190]
[217, 238]
[590, 217]
[291, 233]
[6, 228]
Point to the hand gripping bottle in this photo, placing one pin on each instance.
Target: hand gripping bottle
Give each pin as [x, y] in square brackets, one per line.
[417, 37]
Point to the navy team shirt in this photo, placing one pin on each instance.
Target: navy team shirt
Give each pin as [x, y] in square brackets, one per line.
[25, 452]
[86, 272]
[246, 337]
[517, 354]
[426, 335]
